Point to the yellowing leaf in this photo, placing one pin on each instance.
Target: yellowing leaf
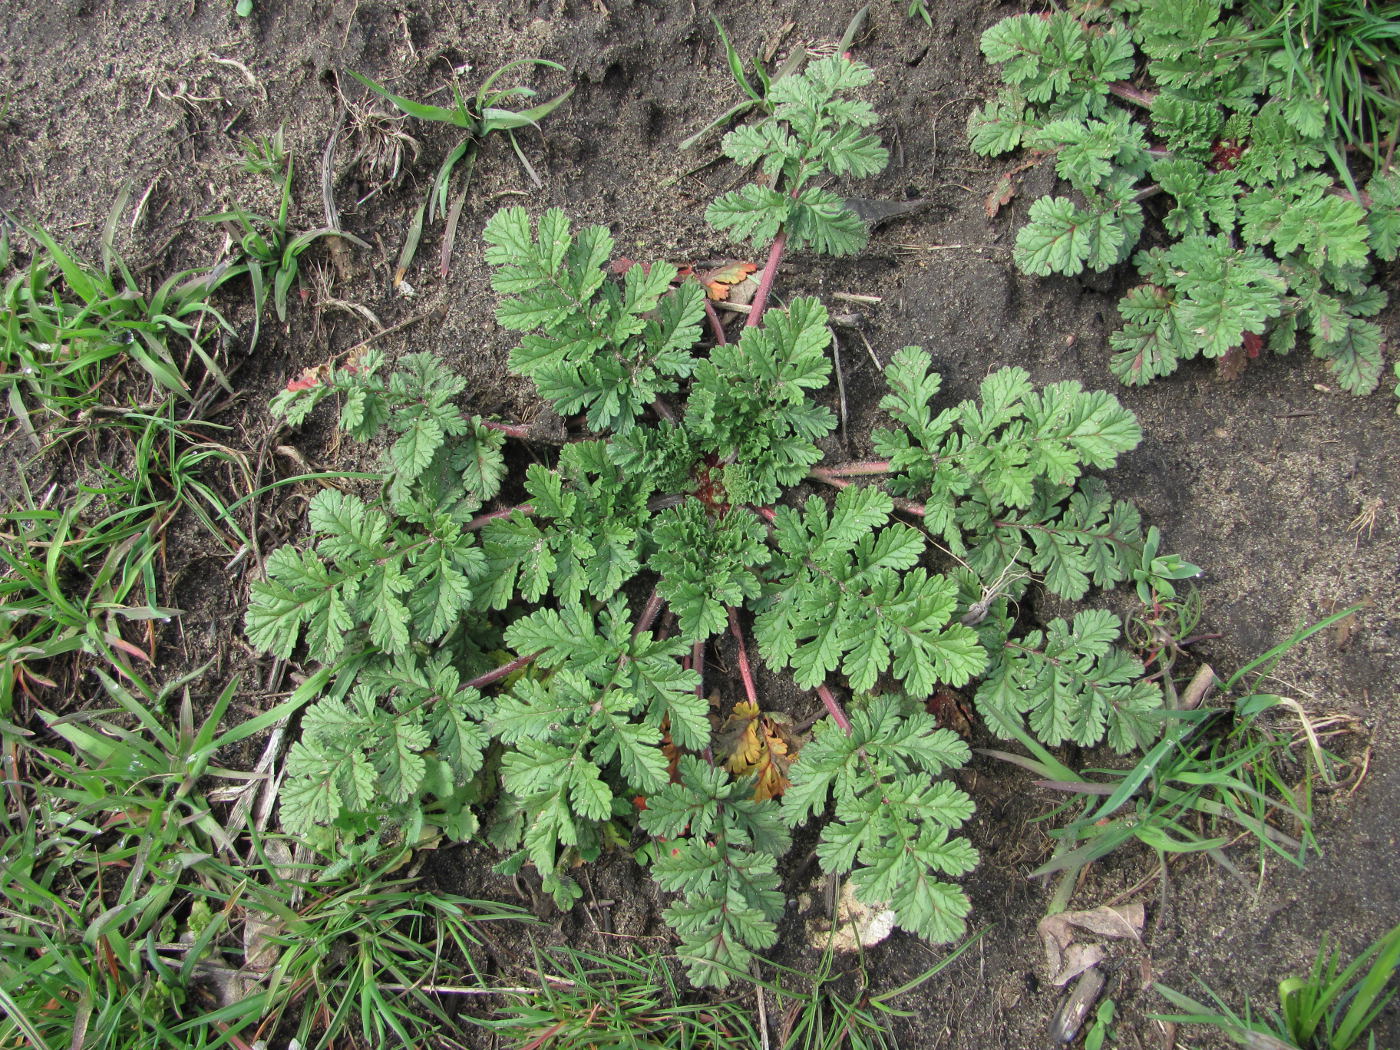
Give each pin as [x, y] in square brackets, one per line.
[751, 741]
[717, 282]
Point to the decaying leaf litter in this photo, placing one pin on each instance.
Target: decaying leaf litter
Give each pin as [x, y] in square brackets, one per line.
[1257, 482]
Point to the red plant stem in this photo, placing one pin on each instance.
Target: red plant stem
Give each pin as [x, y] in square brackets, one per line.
[1128, 93]
[767, 514]
[716, 325]
[744, 670]
[861, 469]
[765, 280]
[520, 431]
[500, 672]
[650, 611]
[663, 410]
[482, 520]
[697, 663]
[833, 481]
[834, 709]
[910, 507]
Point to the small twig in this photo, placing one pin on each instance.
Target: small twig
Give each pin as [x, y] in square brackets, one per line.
[840, 385]
[871, 351]
[1198, 689]
[762, 1016]
[912, 248]
[424, 315]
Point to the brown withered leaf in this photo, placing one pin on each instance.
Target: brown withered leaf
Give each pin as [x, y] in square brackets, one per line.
[1005, 189]
[1000, 196]
[1066, 958]
[950, 709]
[762, 743]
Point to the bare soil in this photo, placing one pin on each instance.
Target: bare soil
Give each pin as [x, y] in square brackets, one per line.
[1260, 481]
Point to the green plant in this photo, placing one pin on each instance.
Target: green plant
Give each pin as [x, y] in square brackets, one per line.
[607, 1001]
[1101, 1031]
[508, 656]
[68, 326]
[265, 155]
[269, 250]
[482, 117]
[1329, 1009]
[1344, 53]
[122, 894]
[364, 955]
[827, 1010]
[67, 584]
[756, 85]
[70, 578]
[1262, 246]
[106, 844]
[1213, 771]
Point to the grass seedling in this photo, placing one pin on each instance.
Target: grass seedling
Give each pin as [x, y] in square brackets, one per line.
[484, 115]
[366, 955]
[832, 1009]
[70, 577]
[108, 845]
[1346, 53]
[1101, 1030]
[586, 999]
[66, 584]
[270, 251]
[65, 326]
[1329, 1009]
[1198, 775]
[265, 155]
[122, 893]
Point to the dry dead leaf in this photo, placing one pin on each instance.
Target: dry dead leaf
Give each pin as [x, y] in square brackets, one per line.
[1066, 959]
[1005, 189]
[1000, 197]
[1342, 631]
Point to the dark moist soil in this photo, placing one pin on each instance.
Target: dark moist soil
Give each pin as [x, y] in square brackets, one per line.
[1260, 481]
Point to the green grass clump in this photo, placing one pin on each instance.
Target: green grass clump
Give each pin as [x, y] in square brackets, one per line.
[1331, 1008]
[68, 329]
